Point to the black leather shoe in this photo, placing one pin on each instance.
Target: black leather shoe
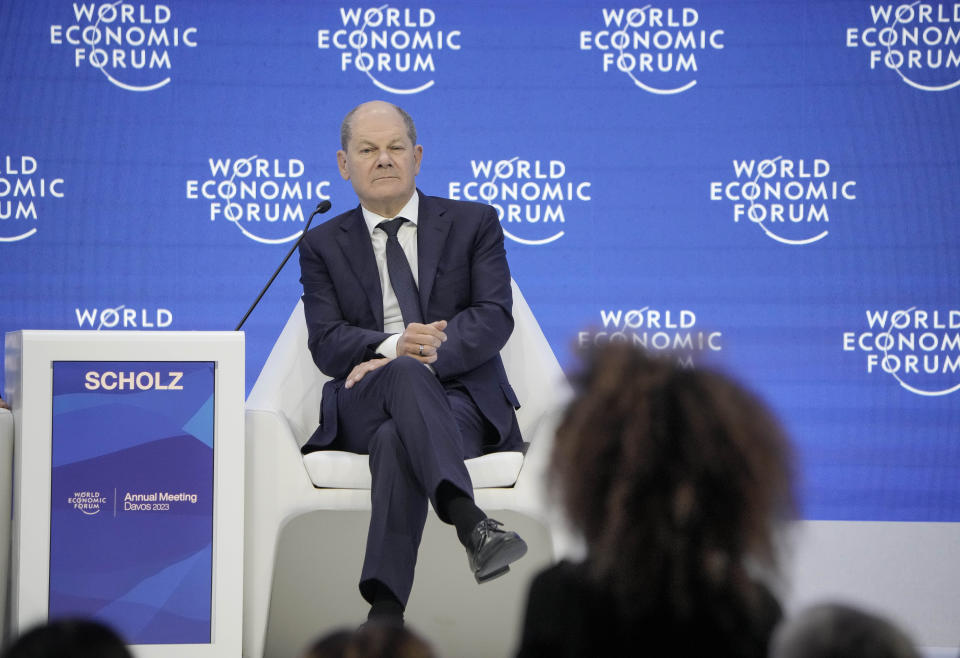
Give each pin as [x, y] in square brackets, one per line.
[491, 550]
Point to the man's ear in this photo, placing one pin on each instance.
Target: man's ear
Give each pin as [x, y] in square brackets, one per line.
[417, 158]
[342, 164]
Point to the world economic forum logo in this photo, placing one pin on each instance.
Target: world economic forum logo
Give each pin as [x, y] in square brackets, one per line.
[532, 197]
[673, 330]
[22, 188]
[88, 503]
[122, 317]
[397, 49]
[659, 50]
[130, 44]
[789, 200]
[262, 197]
[919, 41]
[919, 348]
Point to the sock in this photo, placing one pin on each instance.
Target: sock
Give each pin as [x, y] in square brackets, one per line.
[460, 509]
[385, 605]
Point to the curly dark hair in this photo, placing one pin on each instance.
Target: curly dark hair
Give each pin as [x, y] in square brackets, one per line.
[675, 476]
[69, 638]
[838, 629]
[371, 640]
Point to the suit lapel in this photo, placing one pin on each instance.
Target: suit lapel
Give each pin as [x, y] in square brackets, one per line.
[433, 226]
[354, 240]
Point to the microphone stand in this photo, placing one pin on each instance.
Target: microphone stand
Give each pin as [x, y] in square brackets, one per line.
[322, 207]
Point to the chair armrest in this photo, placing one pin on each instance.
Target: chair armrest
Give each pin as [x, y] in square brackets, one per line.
[539, 437]
[274, 465]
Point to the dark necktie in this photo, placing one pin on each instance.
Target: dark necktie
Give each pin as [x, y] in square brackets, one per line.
[401, 278]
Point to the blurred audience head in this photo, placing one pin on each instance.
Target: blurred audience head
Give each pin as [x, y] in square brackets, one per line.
[69, 638]
[834, 630]
[675, 476]
[331, 645]
[371, 641]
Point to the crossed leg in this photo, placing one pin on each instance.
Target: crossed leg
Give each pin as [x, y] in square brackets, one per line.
[417, 435]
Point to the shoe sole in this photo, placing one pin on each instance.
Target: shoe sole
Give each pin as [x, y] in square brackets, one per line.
[490, 576]
[499, 563]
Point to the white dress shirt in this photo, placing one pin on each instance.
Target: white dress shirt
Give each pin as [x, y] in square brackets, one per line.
[407, 236]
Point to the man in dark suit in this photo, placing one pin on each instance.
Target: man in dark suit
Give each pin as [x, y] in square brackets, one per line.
[407, 302]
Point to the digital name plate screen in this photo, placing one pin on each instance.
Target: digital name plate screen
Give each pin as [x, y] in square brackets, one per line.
[131, 519]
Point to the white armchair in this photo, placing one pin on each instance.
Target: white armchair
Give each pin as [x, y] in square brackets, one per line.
[330, 490]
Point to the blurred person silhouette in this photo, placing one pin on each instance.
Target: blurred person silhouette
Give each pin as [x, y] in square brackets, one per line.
[332, 645]
[69, 638]
[3, 405]
[371, 640]
[836, 630]
[676, 478]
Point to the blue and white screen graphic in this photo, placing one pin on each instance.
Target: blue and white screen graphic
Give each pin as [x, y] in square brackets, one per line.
[131, 519]
[772, 185]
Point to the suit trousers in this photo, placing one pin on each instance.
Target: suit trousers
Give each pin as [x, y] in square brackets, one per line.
[417, 432]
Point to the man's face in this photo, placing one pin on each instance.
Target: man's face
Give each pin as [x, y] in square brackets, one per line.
[380, 161]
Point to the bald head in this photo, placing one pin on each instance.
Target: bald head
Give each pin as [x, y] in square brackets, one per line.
[374, 107]
[380, 156]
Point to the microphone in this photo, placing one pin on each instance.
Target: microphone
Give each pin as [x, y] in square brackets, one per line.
[322, 207]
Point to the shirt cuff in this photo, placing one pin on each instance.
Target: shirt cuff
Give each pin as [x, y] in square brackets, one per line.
[388, 347]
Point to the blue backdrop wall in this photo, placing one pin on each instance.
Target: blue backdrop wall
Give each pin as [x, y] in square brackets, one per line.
[772, 183]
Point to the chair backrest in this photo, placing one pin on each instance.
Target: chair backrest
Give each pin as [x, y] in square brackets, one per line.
[291, 384]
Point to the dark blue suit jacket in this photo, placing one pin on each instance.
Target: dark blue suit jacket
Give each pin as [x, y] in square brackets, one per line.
[463, 278]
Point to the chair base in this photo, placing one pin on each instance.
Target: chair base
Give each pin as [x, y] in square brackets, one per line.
[315, 585]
